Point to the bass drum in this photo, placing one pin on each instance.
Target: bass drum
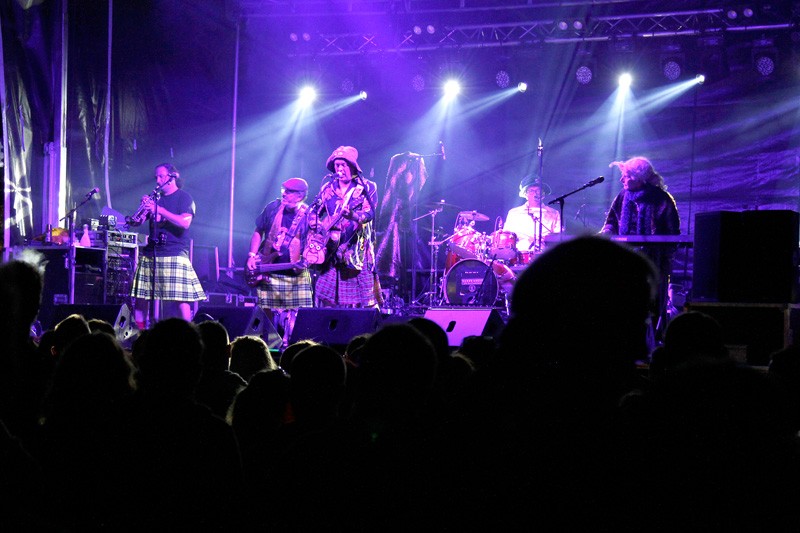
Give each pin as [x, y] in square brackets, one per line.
[469, 282]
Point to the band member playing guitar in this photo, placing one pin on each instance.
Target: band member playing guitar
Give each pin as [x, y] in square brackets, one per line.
[274, 264]
[341, 239]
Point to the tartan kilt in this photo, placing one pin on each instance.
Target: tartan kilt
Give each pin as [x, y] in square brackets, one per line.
[282, 291]
[344, 286]
[176, 280]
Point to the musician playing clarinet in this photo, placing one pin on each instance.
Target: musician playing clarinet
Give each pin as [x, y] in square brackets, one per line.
[170, 211]
[347, 272]
[644, 207]
[274, 265]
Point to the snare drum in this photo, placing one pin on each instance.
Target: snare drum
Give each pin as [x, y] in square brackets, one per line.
[504, 245]
[527, 257]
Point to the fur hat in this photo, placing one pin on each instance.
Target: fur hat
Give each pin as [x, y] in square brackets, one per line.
[530, 181]
[348, 153]
[295, 184]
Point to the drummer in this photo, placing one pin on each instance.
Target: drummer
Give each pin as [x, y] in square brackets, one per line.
[532, 220]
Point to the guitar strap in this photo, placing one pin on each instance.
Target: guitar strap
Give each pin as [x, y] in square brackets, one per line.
[278, 238]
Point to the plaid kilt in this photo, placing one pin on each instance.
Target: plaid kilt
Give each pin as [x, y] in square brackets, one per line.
[282, 291]
[176, 280]
[357, 288]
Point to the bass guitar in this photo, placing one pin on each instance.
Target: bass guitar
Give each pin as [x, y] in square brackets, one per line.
[256, 275]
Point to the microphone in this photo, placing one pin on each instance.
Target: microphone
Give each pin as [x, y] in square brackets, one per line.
[92, 192]
[540, 147]
[441, 151]
[173, 174]
[595, 181]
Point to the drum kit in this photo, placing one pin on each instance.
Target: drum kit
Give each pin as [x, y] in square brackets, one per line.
[479, 268]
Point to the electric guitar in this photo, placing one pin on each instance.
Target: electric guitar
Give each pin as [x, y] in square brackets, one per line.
[263, 266]
[317, 241]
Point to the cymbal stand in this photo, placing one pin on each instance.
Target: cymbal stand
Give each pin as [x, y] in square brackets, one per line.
[432, 296]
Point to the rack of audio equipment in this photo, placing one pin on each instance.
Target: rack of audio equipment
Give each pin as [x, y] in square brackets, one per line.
[122, 253]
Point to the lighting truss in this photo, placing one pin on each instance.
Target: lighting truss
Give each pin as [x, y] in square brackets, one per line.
[509, 34]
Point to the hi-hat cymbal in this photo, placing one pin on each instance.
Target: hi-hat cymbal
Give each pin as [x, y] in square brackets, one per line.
[473, 215]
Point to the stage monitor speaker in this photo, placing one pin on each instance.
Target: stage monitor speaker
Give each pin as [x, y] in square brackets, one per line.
[460, 323]
[746, 257]
[333, 327]
[240, 321]
[205, 261]
[118, 315]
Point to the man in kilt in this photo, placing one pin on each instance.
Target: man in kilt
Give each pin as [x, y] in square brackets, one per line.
[176, 283]
[278, 239]
[347, 276]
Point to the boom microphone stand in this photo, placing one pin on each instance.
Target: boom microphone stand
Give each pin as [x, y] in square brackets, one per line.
[560, 199]
[71, 258]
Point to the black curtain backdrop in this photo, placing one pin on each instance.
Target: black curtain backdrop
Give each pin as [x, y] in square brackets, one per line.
[730, 144]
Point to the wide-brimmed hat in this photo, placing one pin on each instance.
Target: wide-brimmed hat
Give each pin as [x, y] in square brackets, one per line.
[295, 184]
[531, 181]
[348, 153]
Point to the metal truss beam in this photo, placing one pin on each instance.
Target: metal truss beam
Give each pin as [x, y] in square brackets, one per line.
[550, 31]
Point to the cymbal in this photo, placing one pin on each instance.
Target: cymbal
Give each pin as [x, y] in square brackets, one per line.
[433, 205]
[473, 215]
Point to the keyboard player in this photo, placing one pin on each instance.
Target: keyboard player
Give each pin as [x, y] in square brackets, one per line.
[644, 207]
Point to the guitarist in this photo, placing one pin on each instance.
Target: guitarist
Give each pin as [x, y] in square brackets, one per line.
[279, 237]
[347, 209]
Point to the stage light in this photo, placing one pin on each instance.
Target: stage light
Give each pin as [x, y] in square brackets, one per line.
[362, 95]
[451, 89]
[671, 69]
[625, 80]
[578, 25]
[732, 14]
[306, 36]
[430, 28]
[307, 95]
[418, 83]
[562, 25]
[502, 79]
[583, 74]
[293, 37]
[700, 78]
[417, 30]
[747, 12]
[765, 65]
[522, 86]
[764, 56]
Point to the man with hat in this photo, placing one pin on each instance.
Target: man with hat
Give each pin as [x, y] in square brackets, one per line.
[532, 220]
[347, 208]
[278, 240]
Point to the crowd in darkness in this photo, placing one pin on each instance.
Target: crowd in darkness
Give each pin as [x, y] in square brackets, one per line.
[554, 425]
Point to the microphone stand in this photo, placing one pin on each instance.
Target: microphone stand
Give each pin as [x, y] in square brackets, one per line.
[540, 155]
[153, 315]
[71, 254]
[560, 199]
[480, 294]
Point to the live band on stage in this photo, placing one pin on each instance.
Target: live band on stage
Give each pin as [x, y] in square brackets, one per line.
[325, 249]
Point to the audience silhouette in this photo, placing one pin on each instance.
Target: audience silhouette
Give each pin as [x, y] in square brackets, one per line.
[553, 425]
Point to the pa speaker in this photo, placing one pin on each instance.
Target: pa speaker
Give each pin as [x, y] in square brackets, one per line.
[118, 315]
[334, 327]
[460, 323]
[240, 321]
[746, 257]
